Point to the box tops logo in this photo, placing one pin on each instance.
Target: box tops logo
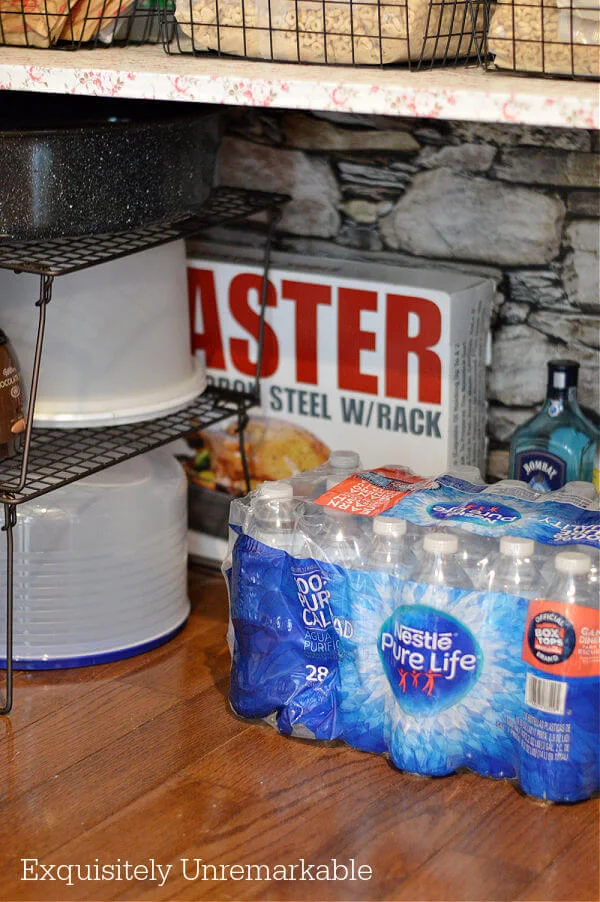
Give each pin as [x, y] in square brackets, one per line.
[473, 510]
[551, 637]
[430, 659]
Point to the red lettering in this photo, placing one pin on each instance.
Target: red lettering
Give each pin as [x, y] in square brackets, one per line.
[352, 339]
[399, 345]
[307, 297]
[202, 298]
[239, 291]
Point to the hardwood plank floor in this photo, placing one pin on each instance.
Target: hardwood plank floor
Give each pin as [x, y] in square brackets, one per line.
[143, 762]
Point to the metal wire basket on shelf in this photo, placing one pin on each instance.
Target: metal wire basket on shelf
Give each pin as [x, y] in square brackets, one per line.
[546, 37]
[71, 24]
[338, 32]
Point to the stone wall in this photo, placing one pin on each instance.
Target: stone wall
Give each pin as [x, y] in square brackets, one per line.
[521, 204]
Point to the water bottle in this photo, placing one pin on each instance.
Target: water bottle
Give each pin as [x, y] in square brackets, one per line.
[594, 554]
[576, 492]
[571, 583]
[439, 565]
[474, 555]
[271, 515]
[513, 570]
[467, 473]
[388, 550]
[563, 703]
[343, 464]
[343, 541]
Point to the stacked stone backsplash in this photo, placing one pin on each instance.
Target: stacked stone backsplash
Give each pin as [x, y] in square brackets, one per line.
[521, 204]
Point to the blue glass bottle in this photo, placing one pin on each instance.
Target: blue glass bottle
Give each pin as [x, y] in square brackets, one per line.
[558, 444]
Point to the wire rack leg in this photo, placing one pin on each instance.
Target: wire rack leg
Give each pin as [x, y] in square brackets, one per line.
[274, 217]
[10, 519]
[41, 304]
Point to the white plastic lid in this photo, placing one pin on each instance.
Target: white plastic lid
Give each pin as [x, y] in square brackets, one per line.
[573, 562]
[344, 460]
[276, 491]
[387, 526]
[512, 546]
[441, 543]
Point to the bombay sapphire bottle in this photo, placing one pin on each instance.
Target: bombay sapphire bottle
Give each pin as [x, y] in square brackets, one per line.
[558, 444]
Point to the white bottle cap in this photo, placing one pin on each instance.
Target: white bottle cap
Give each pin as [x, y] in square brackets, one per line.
[583, 489]
[388, 526]
[464, 472]
[441, 543]
[574, 562]
[344, 460]
[276, 491]
[512, 546]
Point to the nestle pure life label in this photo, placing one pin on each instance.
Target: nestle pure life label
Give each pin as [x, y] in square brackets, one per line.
[387, 361]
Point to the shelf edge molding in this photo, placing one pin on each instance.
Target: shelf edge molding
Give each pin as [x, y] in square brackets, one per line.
[461, 93]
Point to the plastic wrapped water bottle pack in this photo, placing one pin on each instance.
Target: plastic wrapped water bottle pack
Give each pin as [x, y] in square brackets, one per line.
[443, 622]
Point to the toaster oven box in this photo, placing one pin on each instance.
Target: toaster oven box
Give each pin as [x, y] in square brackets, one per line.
[383, 360]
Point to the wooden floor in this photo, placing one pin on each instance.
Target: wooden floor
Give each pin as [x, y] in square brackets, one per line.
[142, 761]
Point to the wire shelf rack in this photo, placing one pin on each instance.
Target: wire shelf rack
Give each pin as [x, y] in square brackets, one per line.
[51, 458]
[60, 456]
[59, 256]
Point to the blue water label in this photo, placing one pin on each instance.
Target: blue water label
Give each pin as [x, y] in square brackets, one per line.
[479, 510]
[430, 659]
[541, 470]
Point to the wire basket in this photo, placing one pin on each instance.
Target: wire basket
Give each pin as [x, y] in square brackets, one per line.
[345, 32]
[546, 37]
[70, 24]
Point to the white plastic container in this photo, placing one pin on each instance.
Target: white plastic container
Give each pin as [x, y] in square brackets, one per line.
[117, 340]
[100, 566]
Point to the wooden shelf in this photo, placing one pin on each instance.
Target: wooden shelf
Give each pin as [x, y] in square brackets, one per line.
[148, 72]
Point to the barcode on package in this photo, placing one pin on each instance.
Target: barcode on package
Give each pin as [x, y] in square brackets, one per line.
[545, 695]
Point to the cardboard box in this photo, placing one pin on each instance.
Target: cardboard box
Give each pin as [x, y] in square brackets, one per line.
[383, 360]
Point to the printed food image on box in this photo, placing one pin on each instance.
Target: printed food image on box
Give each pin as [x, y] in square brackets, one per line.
[275, 449]
[386, 361]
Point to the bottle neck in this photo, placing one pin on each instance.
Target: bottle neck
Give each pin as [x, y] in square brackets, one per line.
[558, 399]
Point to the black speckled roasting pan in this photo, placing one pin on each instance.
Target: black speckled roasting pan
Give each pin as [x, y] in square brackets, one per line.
[74, 166]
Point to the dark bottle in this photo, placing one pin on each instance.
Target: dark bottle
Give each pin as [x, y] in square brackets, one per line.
[12, 401]
[558, 444]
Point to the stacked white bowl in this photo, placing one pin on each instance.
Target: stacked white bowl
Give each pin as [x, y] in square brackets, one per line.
[117, 340]
[100, 565]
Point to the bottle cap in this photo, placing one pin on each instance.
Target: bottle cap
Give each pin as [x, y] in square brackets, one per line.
[441, 543]
[344, 460]
[512, 546]
[562, 374]
[576, 487]
[573, 562]
[276, 491]
[463, 472]
[388, 526]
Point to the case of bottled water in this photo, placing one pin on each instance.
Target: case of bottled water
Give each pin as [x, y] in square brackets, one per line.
[444, 622]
